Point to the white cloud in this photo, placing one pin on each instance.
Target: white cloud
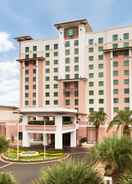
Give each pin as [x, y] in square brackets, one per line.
[5, 43]
[9, 83]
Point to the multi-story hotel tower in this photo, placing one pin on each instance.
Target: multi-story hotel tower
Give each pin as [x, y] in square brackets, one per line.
[63, 79]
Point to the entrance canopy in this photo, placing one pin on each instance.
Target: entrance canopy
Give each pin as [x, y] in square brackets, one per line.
[47, 110]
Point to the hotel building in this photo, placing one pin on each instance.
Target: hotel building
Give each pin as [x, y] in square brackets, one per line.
[63, 79]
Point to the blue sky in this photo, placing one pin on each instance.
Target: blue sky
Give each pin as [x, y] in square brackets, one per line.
[37, 17]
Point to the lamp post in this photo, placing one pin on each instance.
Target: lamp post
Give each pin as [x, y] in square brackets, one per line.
[19, 121]
[44, 146]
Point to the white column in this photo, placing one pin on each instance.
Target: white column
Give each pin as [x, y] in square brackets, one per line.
[45, 139]
[25, 139]
[73, 141]
[112, 104]
[107, 180]
[58, 133]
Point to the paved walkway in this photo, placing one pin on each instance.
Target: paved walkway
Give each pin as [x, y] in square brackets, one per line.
[26, 173]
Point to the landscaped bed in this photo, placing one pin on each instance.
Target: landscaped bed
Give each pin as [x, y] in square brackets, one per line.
[27, 155]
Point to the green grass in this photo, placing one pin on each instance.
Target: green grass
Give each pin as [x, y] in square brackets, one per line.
[11, 154]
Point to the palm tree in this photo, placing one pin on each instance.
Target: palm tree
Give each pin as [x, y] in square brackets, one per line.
[6, 178]
[4, 144]
[70, 172]
[97, 118]
[122, 119]
[115, 154]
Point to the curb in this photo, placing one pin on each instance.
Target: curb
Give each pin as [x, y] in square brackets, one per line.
[4, 159]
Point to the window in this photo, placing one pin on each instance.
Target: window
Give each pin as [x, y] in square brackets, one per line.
[67, 44]
[26, 95]
[126, 52]
[26, 79]
[101, 92]
[67, 60]
[126, 100]
[47, 47]
[34, 86]
[90, 41]
[91, 109]
[91, 84]
[101, 74]
[27, 56]
[76, 68]
[47, 86]
[101, 83]
[76, 50]
[76, 101]
[55, 53]
[100, 57]
[34, 79]
[47, 78]
[100, 49]
[91, 101]
[91, 92]
[26, 71]
[115, 73]
[67, 76]
[91, 49]
[100, 66]
[126, 44]
[126, 91]
[115, 82]
[126, 36]
[67, 68]
[47, 70]
[47, 54]
[34, 94]
[116, 109]
[26, 49]
[26, 87]
[115, 100]
[34, 102]
[126, 72]
[67, 102]
[91, 67]
[55, 77]
[34, 71]
[76, 76]
[47, 102]
[55, 69]
[115, 63]
[67, 93]
[101, 101]
[34, 48]
[47, 62]
[55, 102]
[34, 55]
[126, 63]
[100, 40]
[91, 58]
[55, 86]
[126, 81]
[67, 52]
[76, 42]
[76, 93]
[91, 75]
[47, 94]
[55, 93]
[101, 109]
[55, 62]
[26, 102]
[115, 46]
[55, 46]
[76, 59]
[115, 91]
[115, 37]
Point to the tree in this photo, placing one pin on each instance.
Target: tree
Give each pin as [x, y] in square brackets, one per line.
[97, 118]
[115, 154]
[122, 119]
[70, 172]
[4, 144]
[126, 179]
[6, 178]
